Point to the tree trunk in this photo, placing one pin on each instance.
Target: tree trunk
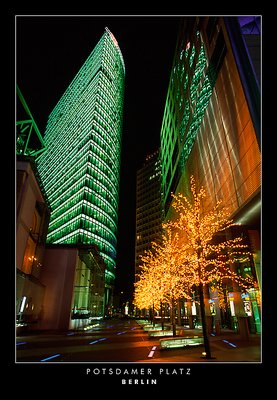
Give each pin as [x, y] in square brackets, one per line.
[204, 325]
[162, 315]
[173, 318]
[179, 313]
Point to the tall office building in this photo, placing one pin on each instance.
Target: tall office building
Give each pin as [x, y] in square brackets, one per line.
[211, 130]
[80, 170]
[149, 212]
[211, 123]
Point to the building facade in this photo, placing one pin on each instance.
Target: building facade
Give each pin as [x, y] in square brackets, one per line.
[149, 211]
[80, 170]
[74, 280]
[32, 219]
[211, 130]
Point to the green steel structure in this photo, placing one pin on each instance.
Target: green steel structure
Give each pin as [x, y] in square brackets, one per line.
[80, 170]
[29, 141]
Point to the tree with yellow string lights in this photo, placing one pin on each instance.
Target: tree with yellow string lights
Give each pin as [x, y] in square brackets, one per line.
[147, 293]
[161, 280]
[194, 252]
[207, 252]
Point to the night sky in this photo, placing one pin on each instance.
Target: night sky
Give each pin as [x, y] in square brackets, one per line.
[50, 50]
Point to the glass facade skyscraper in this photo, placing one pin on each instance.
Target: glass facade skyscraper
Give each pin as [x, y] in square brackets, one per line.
[80, 169]
[211, 130]
[149, 212]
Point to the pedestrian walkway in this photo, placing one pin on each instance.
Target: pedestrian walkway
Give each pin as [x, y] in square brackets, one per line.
[227, 347]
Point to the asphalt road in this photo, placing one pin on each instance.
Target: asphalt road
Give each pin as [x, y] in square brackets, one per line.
[109, 341]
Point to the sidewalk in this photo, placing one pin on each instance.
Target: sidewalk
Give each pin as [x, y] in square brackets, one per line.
[227, 347]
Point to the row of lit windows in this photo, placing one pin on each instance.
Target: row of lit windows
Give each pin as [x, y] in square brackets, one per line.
[77, 165]
[55, 189]
[84, 237]
[65, 214]
[102, 190]
[149, 190]
[114, 133]
[105, 239]
[100, 142]
[90, 210]
[104, 180]
[83, 122]
[106, 111]
[79, 196]
[66, 114]
[107, 143]
[85, 193]
[148, 224]
[115, 48]
[94, 198]
[151, 212]
[147, 209]
[90, 224]
[109, 53]
[146, 237]
[149, 201]
[105, 87]
[98, 213]
[65, 184]
[53, 164]
[143, 178]
[61, 206]
[110, 77]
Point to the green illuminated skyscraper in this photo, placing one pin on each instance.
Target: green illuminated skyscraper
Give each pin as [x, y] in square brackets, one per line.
[80, 169]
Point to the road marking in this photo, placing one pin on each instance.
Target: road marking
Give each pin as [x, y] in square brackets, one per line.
[49, 358]
[152, 352]
[231, 344]
[121, 333]
[19, 343]
[95, 341]
[98, 340]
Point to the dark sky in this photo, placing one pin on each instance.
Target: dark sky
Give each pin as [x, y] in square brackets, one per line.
[50, 50]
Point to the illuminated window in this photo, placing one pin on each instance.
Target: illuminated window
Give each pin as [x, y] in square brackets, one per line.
[29, 256]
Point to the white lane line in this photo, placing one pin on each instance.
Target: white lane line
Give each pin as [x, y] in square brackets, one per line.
[152, 352]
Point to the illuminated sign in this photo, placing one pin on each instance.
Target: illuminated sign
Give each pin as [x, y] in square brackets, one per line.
[247, 307]
[232, 308]
[23, 301]
[212, 306]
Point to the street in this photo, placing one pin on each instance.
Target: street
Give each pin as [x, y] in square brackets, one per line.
[124, 340]
[109, 340]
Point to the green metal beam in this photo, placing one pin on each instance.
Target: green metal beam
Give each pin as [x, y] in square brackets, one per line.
[33, 128]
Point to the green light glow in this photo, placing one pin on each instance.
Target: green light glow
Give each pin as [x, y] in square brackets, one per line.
[181, 342]
[80, 170]
[198, 114]
[191, 87]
